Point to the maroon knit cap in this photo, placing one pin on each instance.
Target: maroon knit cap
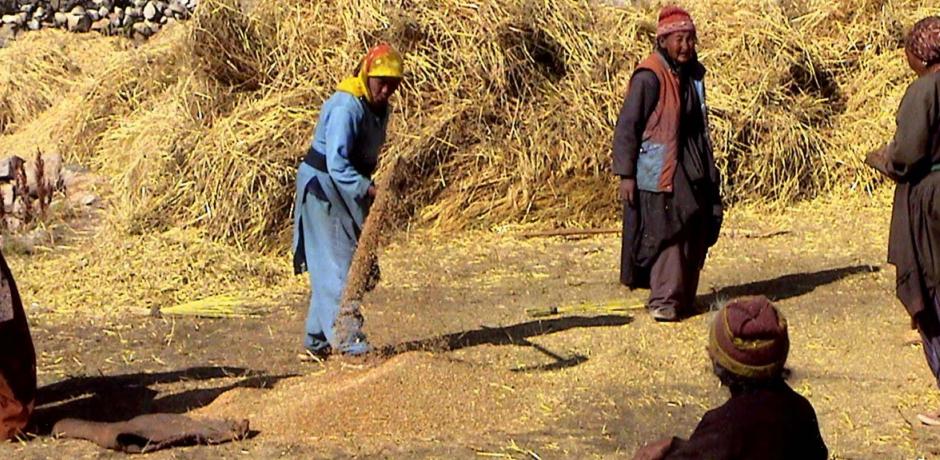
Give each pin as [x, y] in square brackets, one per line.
[924, 40]
[749, 338]
[674, 19]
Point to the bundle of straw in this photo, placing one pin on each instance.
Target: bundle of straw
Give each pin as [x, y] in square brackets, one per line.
[220, 306]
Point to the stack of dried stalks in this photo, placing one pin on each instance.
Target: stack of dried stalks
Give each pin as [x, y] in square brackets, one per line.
[506, 114]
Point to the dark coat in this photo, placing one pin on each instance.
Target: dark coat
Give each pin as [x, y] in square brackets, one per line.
[17, 358]
[766, 423]
[911, 159]
[661, 219]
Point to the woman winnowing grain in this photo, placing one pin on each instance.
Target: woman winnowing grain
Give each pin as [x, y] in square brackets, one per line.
[912, 160]
[335, 189]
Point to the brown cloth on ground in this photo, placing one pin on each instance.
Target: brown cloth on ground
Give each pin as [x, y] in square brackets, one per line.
[17, 359]
[914, 240]
[147, 433]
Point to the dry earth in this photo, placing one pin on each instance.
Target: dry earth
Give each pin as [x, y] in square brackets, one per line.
[468, 373]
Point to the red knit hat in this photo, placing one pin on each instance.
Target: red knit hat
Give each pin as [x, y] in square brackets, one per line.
[674, 19]
[749, 338]
[924, 40]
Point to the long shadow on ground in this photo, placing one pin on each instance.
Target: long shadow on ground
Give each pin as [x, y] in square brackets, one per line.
[122, 397]
[517, 334]
[784, 287]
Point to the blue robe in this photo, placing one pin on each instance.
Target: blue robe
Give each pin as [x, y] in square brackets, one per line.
[330, 209]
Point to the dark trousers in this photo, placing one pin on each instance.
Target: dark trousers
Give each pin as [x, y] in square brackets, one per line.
[928, 324]
[675, 273]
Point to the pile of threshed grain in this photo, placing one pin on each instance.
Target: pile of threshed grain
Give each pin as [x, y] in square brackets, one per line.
[506, 115]
[410, 396]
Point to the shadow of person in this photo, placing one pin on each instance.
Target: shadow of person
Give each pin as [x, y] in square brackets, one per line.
[781, 287]
[122, 397]
[517, 334]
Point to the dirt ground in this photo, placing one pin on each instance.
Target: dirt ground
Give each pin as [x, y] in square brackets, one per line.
[467, 372]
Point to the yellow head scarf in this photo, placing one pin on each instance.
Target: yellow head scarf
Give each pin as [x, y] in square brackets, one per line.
[382, 61]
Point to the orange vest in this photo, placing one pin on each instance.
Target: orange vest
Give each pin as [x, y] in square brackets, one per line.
[659, 151]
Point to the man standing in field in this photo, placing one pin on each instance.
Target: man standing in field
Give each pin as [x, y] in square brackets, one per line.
[668, 180]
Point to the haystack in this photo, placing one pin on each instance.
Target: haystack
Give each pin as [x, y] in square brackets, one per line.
[506, 115]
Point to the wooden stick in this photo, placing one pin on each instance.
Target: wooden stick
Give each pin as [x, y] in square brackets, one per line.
[350, 319]
[755, 235]
[584, 308]
[570, 232]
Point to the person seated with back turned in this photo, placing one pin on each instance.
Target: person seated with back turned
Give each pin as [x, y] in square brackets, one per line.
[764, 418]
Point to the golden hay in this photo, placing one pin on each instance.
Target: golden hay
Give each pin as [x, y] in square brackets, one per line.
[112, 273]
[506, 115]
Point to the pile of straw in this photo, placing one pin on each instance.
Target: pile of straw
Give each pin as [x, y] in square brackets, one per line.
[176, 272]
[506, 115]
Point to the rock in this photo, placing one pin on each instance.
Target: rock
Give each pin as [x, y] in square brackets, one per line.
[150, 12]
[78, 10]
[118, 11]
[142, 28]
[7, 191]
[163, 19]
[178, 10]
[89, 199]
[79, 24]
[8, 167]
[34, 24]
[103, 12]
[27, 8]
[51, 173]
[115, 20]
[133, 12]
[139, 3]
[93, 15]
[7, 33]
[154, 27]
[13, 19]
[60, 19]
[40, 13]
[102, 25]
[64, 5]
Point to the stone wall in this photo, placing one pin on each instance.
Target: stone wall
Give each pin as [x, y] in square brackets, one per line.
[133, 18]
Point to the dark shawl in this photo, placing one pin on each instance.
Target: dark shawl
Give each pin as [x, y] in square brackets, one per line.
[17, 358]
[762, 423]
